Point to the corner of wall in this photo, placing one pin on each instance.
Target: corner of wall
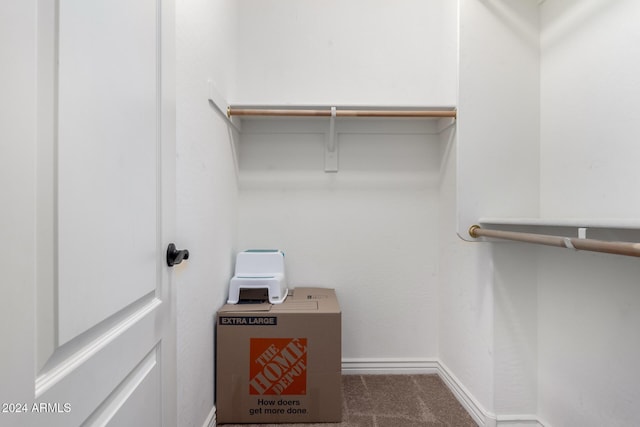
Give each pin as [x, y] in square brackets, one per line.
[206, 196]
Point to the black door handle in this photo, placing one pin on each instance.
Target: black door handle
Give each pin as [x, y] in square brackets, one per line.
[175, 256]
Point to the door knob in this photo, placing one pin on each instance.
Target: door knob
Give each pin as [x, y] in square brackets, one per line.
[175, 256]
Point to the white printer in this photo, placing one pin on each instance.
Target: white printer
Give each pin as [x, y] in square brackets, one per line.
[259, 269]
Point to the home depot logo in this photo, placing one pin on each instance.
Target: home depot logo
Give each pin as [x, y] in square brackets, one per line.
[278, 366]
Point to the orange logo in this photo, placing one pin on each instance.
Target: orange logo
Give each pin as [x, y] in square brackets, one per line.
[278, 366]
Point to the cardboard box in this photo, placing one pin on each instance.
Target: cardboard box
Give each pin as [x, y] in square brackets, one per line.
[280, 363]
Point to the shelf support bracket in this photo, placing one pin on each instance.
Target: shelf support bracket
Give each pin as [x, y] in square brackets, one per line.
[331, 146]
[582, 232]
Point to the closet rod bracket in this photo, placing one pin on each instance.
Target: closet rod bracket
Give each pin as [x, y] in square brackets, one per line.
[331, 146]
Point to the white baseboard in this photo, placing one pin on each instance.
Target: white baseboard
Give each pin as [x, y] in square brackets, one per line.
[210, 421]
[389, 366]
[519, 421]
[480, 415]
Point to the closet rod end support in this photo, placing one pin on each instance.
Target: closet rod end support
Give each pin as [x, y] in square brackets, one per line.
[472, 231]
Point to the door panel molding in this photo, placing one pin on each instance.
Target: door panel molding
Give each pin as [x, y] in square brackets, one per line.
[47, 183]
[109, 408]
[71, 355]
[108, 141]
[91, 382]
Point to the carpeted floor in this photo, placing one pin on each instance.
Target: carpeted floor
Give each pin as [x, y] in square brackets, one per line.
[394, 401]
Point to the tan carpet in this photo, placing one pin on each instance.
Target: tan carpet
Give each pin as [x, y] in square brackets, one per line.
[394, 401]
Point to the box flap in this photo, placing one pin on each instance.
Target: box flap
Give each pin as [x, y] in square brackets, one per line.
[325, 297]
[245, 308]
[313, 293]
[294, 305]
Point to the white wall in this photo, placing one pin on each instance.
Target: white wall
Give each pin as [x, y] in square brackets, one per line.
[465, 333]
[487, 312]
[514, 269]
[370, 230]
[487, 292]
[588, 303]
[589, 344]
[590, 129]
[563, 341]
[498, 111]
[336, 52]
[206, 196]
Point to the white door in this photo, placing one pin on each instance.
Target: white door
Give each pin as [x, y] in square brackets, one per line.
[88, 161]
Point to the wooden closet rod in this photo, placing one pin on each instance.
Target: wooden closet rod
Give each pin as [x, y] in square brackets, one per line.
[617, 248]
[232, 111]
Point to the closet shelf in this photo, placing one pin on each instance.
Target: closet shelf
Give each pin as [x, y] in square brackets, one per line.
[316, 111]
[606, 223]
[446, 117]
